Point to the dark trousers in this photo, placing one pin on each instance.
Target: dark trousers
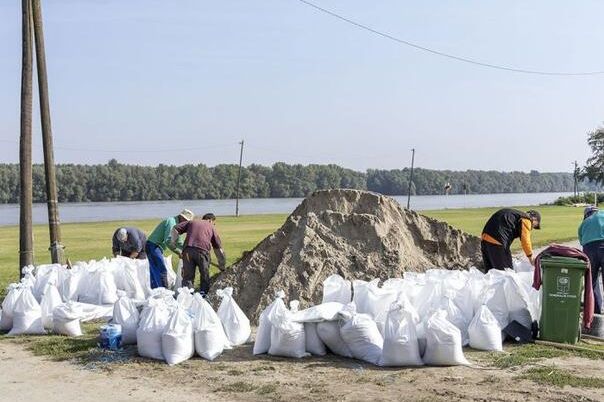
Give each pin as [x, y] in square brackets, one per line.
[196, 258]
[495, 257]
[595, 253]
[157, 265]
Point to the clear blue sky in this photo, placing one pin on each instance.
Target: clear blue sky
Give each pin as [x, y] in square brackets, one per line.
[149, 78]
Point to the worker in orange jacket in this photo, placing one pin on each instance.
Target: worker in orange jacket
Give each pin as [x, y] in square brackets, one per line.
[500, 231]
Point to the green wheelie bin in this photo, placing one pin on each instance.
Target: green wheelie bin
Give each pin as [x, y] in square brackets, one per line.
[561, 292]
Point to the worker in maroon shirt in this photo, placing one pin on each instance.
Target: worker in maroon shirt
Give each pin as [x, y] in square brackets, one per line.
[201, 238]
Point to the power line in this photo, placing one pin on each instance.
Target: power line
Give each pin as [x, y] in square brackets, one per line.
[443, 54]
[130, 151]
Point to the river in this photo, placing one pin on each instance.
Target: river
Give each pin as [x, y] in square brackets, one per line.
[105, 211]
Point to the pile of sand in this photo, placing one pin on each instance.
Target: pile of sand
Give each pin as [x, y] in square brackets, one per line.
[357, 234]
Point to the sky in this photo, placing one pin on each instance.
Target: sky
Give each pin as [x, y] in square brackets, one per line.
[183, 81]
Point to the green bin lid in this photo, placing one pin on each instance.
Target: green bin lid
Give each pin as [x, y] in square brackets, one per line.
[562, 262]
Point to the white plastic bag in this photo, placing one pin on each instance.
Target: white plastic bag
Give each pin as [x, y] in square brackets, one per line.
[153, 322]
[336, 289]
[314, 344]
[8, 306]
[288, 338]
[210, 339]
[401, 346]
[329, 333]
[184, 298]
[107, 288]
[50, 300]
[69, 287]
[177, 340]
[171, 275]
[27, 315]
[178, 282]
[456, 316]
[66, 319]
[484, 330]
[443, 342]
[495, 299]
[236, 324]
[362, 337]
[126, 314]
[263, 335]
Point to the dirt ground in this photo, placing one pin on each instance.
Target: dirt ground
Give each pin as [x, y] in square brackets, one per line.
[239, 376]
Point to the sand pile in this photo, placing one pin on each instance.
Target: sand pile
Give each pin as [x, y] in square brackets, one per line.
[357, 234]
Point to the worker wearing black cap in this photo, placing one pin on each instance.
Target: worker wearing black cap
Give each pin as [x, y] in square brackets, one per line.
[500, 231]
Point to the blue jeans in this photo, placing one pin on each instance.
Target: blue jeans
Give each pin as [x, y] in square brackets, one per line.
[595, 253]
[157, 265]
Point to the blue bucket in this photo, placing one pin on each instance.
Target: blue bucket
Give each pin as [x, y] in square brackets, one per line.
[111, 336]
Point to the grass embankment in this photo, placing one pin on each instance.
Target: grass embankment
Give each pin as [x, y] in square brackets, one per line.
[86, 241]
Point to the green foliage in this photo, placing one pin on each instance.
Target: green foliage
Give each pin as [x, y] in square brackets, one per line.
[583, 198]
[120, 182]
[594, 168]
[560, 378]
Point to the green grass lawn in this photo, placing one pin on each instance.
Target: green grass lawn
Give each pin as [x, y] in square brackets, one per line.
[86, 241]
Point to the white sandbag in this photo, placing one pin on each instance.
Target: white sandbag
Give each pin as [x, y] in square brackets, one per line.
[210, 339]
[8, 305]
[177, 340]
[443, 342]
[170, 274]
[236, 324]
[288, 338]
[127, 279]
[362, 337]
[484, 330]
[28, 280]
[184, 297]
[329, 334]
[70, 284]
[375, 302]
[429, 298]
[90, 312]
[522, 265]
[50, 300]
[517, 300]
[46, 274]
[66, 319]
[27, 315]
[336, 289]
[107, 288]
[456, 316]
[494, 297]
[314, 344]
[321, 312]
[263, 334]
[360, 295]
[151, 327]
[126, 314]
[401, 346]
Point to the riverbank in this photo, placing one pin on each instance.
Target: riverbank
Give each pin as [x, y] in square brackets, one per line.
[86, 241]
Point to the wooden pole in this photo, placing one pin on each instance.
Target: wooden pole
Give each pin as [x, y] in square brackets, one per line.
[56, 249]
[26, 240]
[239, 180]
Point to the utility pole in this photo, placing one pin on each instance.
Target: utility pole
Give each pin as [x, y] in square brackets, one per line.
[56, 249]
[26, 239]
[410, 178]
[576, 177]
[239, 179]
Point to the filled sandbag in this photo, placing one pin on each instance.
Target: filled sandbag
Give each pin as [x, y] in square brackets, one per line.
[263, 335]
[107, 288]
[484, 330]
[456, 316]
[336, 289]
[443, 342]
[401, 346]
[210, 339]
[69, 286]
[66, 319]
[8, 305]
[322, 312]
[184, 298]
[45, 274]
[51, 298]
[153, 322]
[329, 334]
[362, 337]
[288, 338]
[27, 315]
[495, 299]
[314, 344]
[236, 325]
[125, 313]
[177, 343]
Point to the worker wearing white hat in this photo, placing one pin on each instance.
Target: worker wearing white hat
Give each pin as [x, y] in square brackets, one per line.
[157, 243]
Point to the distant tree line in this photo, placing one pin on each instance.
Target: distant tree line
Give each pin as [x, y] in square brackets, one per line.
[120, 182]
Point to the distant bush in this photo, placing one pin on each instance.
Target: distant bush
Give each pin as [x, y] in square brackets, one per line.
[583, 198]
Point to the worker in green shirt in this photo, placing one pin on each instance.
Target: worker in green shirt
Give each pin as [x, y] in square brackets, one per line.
[157, 243]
